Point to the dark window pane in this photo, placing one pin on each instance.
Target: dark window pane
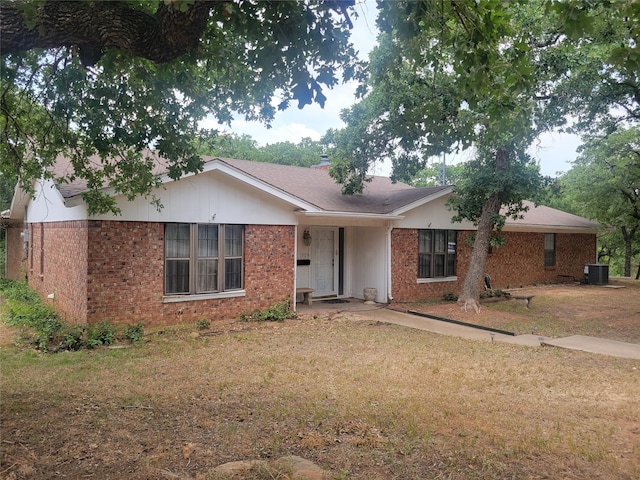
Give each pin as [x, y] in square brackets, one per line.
[207, 275]
[207, 241]
[436, 253]
[549, 241]
[451, 265]
[198, 270]
[424, 265]
[451, 253]
[177, 276]
[549, 249]
[424, 241]
[549, 259]
[439, 241]
[438, 265]
[233, 240]
[176, 240]
[451, 242]
[232, 273]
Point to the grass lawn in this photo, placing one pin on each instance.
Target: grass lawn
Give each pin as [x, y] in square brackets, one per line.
[363, 400]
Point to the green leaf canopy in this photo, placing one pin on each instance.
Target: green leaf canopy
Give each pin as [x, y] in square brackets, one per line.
[107, 80]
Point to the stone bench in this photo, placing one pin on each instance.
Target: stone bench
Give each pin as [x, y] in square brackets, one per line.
[306, 294]
[525, 299]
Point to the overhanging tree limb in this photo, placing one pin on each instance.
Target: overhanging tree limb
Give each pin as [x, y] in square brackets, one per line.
[159, 68]
[94, 26]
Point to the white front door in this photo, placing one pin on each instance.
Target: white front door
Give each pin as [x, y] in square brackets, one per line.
[325, 261]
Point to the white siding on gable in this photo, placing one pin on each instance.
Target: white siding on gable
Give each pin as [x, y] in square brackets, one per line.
[48, 205]
[435, 215]
[211, 197]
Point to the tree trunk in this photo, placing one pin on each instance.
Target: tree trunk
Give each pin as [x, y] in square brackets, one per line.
[627, 258]
[472, 285]
[628, 237]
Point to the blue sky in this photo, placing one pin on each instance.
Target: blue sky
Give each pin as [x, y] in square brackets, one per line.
[553, 150]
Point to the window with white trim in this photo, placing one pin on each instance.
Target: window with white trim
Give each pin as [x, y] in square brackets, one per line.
[549, 249]
[202, 258]
[436, 253]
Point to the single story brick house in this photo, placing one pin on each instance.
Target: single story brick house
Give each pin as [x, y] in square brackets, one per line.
[241, 235]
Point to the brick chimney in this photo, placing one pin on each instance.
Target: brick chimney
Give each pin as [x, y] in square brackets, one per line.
[324, 163]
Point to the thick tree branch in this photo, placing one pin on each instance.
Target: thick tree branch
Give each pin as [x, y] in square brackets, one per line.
[92, 27]
[553, 40]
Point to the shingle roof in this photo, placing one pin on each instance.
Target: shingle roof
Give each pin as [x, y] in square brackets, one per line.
[63, 168]
[542, 216]
[315, 186]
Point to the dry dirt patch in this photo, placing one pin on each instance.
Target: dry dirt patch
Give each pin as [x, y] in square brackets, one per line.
[611, 312]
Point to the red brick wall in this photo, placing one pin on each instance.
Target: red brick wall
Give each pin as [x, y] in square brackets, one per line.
[15, 253]
[126, 275]
[111, 270]
[519, 262]
[125, 272]
[269, 263]
[404, 270]
[115, 270]
[268, 278]
[58, 265]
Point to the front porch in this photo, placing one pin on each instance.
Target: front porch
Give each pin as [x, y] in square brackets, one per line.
[329, 306]
[341, 261]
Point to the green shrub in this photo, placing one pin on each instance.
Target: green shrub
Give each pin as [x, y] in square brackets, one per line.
[24, 308]
[277, 312]
[494, 293]
[133, 333]
[203, 324]
[74, 337]
[19, 291]
[33, 314]
[100, 334]
[450, 297]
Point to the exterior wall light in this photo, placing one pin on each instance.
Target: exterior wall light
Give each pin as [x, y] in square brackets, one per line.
[306, 237]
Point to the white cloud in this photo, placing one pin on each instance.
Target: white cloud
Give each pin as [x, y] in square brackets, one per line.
[293, 124]
[555, 151]
[280, 132]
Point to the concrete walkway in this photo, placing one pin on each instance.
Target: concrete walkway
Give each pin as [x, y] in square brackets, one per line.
[576, 342]
[597, 345]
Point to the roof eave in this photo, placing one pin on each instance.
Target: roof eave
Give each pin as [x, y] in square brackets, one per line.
[353, 215]
[429, 198]
[549, 228]
[19, 201]
[220, 165]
